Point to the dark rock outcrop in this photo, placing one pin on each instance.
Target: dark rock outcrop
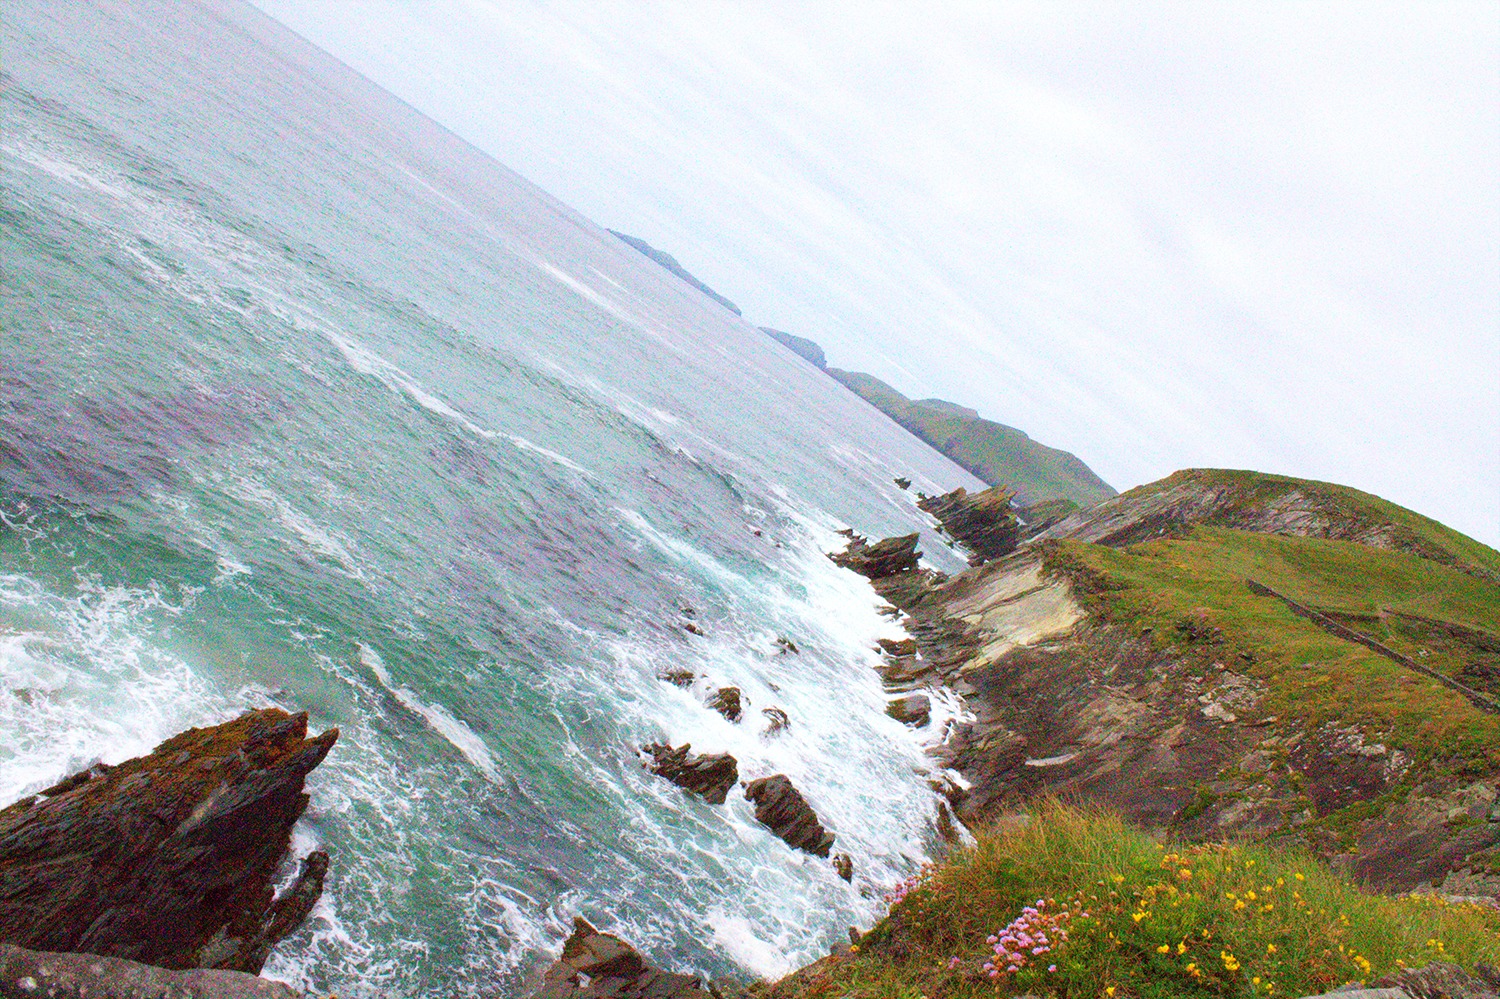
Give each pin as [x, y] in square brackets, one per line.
[727, 702]
[983, 523]
[888, 557]
[913, 709]
[844, 865]
[168, 859]
[596, 965]
[776, 720]
[710, 775]
[902, 482]
[29, 974]
[781, 807]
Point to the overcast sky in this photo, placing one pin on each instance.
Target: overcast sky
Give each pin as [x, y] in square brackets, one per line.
[1254, 236]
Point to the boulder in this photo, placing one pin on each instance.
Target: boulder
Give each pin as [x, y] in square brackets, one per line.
[983, 523]
[776, 720]
[897, 647]
[780, 807]
[595, 965]
[844, 865]
[32, 973]
[168, 859]
[902, 482]
[727, 702]
[678, 677]
[1440, 980]
[913, 709]
[710, 775]
[889, 557]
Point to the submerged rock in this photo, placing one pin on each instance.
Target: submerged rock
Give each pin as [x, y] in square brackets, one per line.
[168, 859]
[727, 702]
[776, 720]
[710, 775]
[678, 677]
[983, 523]
[785, 645]
[595, 964]
[902, 482]
[89, 976]
[888, 557]
[781, 807]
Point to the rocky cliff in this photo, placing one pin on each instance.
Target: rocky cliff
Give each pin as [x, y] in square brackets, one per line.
[168, 859]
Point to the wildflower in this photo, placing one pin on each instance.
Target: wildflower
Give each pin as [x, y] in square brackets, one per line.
[1164, 948]
[1051, 967]
[1110, 991]
[1181, 949]
[1299, 876]
[1270, 948]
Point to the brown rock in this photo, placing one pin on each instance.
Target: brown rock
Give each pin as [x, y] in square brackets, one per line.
[726, 701]
[1439, 980]
[167, 859]
[889, 557]
[710, 775]
[28, 973]
[612, 968]
[844, 865]
[782, 808]
[776, 720]
[897, 647]
[913, 709]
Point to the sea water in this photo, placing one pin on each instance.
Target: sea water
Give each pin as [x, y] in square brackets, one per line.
[306, 403]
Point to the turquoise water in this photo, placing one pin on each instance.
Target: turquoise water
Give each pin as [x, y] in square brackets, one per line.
[304, 402]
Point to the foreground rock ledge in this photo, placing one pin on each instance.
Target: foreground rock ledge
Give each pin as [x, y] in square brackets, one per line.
[28, 974]
[594, 965]
[168, 859]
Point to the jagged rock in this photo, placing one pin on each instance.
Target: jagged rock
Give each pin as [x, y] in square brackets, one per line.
[692, 629]
[897, 647]
[776, 720]
[30, 974]
[844, 865]
[1440, 980]
[784, 645]
[678, 677]
[710, 775]
[902, 482]
[727, 702]
[913, 709]
[889, 557]
[781, 807]
[611, 968]
[982, 523]
[168, 859]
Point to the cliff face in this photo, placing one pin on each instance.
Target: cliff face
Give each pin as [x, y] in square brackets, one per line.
[1226, 654]
[167, 859]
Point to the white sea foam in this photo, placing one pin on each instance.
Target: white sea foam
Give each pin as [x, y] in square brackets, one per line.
[458, 734]
[320, 539]
[553, 456]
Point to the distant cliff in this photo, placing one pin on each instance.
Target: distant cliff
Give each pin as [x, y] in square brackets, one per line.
[799, 345]
[670, 263]
[992, 452]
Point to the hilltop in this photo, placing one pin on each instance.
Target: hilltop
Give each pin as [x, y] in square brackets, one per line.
[670, 263]
[1219, 657]
[992, 452]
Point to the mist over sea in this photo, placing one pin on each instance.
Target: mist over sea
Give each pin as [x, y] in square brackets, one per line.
[304, 402]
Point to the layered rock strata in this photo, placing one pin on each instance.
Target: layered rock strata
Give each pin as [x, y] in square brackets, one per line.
[983, 522]
[168, 859]
[596, 965]
[710, 775]
[29, 974]
[781, 807]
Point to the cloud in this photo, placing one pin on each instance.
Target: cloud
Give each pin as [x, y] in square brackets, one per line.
[1165, 235]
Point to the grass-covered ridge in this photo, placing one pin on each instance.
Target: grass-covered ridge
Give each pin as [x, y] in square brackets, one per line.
[1128, 915]
[992, 452]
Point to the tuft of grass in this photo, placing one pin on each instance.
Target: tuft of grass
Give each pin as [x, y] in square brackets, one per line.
[1138, 919]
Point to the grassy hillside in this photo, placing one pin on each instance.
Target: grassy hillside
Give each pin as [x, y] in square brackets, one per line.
[993, 452]
[1126, 915]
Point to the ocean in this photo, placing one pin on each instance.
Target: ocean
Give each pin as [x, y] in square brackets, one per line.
[305, 402]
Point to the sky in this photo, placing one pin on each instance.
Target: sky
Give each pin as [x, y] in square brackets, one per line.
[1158, 235]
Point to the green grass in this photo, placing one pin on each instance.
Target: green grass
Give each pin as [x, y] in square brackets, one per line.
[1311, 676]
[1146, 920]
[992, 452]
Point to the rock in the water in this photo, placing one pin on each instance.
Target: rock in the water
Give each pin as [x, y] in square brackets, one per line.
[902, 482]
[612, 968]
[983, 523]
[913, 709]
[692, 629]
[889, 557]
[726, 701]
[167, 859]
[844, 865]
[776, 720]
[897, 647]
[710, 775]
[32, 973]
[678, 677]
[781, 807]
[785, 645]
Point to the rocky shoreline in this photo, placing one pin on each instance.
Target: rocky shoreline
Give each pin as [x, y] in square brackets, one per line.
[155, 877]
